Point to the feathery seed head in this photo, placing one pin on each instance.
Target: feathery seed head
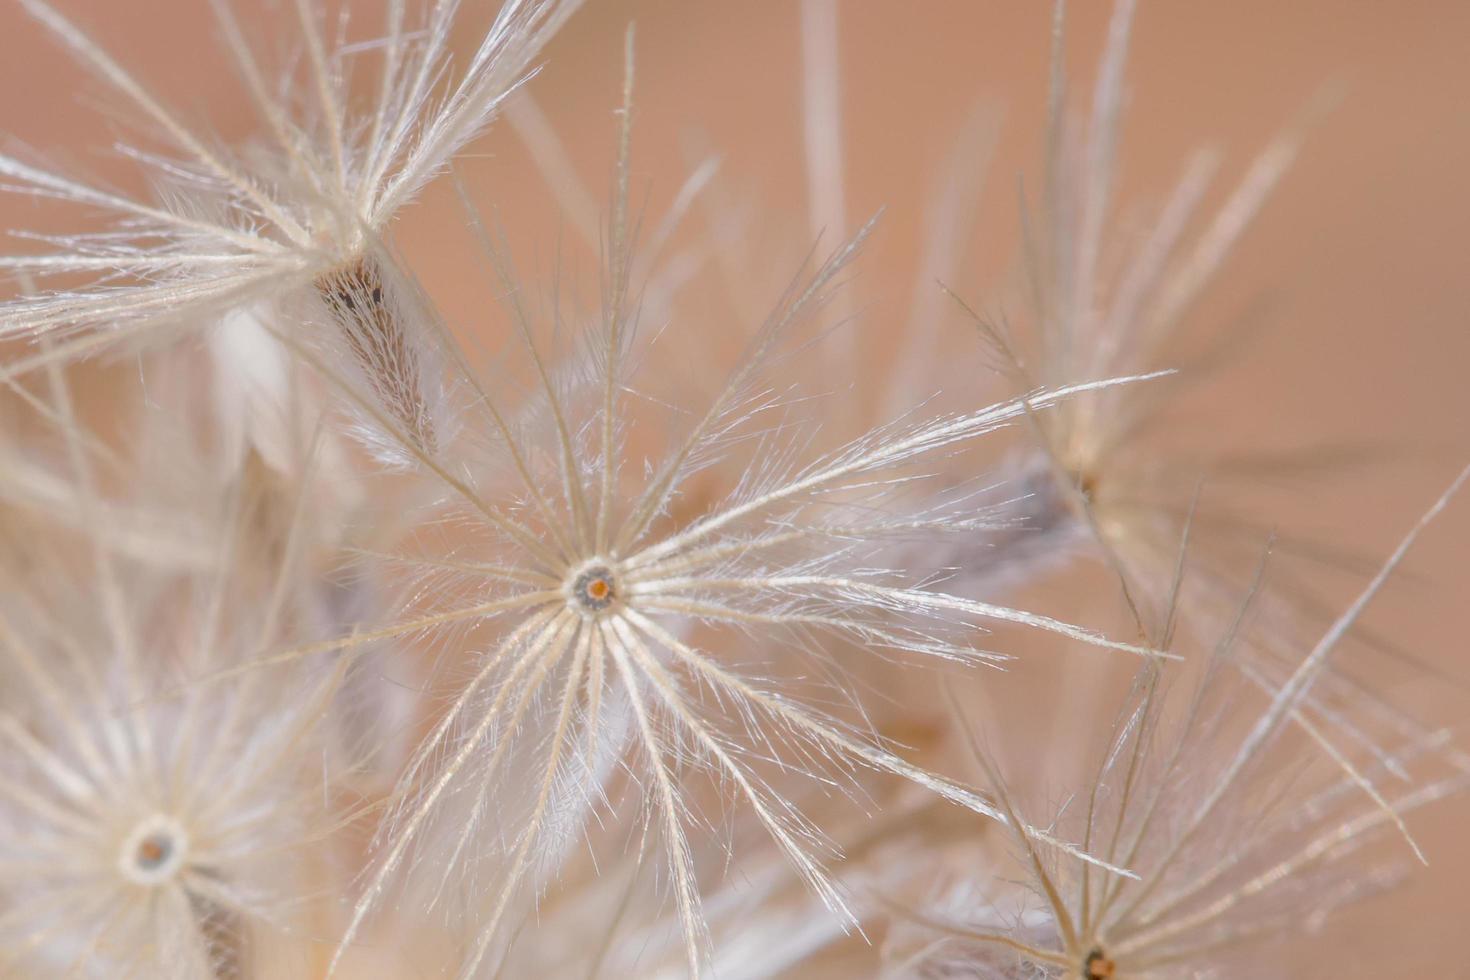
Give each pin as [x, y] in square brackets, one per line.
[599, 595]
[299, 210]
[1103, 300]
[202, 799]
[154, 826]
[1227, 851]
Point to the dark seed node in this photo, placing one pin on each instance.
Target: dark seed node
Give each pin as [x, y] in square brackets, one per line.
[154, 851]
[594, 589]
[1097, 966]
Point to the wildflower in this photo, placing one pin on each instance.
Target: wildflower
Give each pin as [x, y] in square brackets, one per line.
[1227, 853]
[284, 229]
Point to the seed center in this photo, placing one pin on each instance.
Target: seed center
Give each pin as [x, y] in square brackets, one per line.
[595, 588]
[1098, 966]
[154, 851]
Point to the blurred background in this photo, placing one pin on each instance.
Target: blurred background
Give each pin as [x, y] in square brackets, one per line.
[1357, 266]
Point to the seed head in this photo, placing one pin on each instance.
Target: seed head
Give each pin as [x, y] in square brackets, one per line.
[296, 214]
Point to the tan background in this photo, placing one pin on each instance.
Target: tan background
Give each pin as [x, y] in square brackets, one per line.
[1363, 253]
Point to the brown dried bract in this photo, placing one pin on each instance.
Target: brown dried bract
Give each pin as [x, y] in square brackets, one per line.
[379, 341]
